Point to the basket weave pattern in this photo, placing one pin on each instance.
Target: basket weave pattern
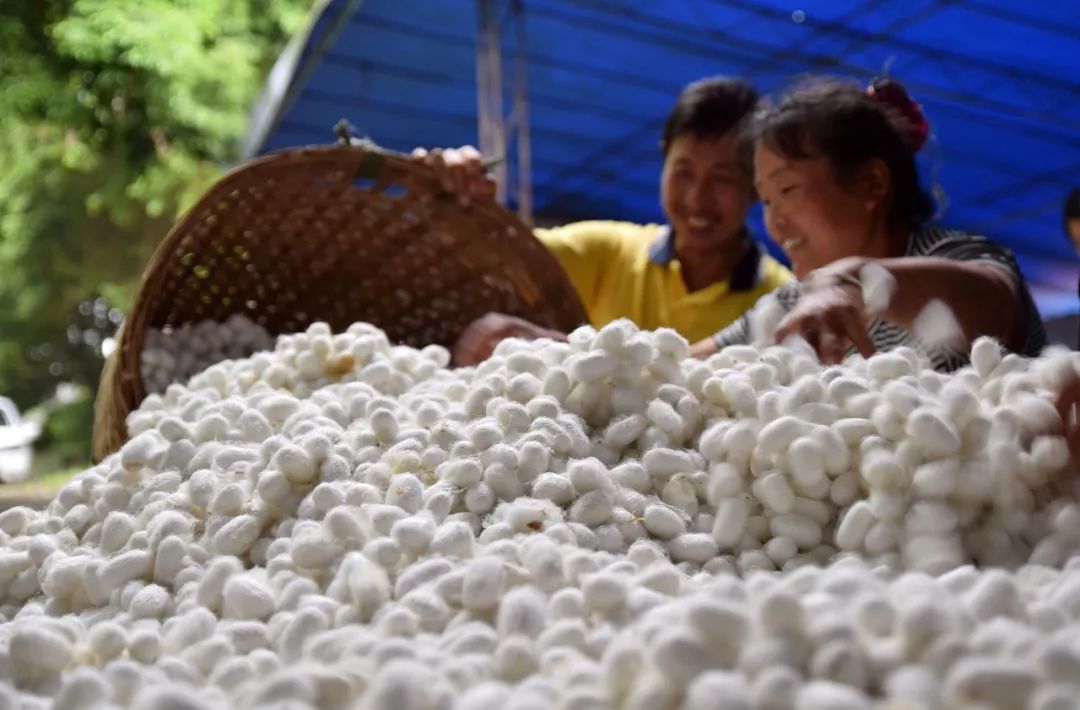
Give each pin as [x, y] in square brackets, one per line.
[337, 234]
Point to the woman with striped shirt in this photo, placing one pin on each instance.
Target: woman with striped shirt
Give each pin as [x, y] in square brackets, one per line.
[835, 170]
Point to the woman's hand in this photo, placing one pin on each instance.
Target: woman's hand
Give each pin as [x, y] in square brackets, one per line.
[1068, 404]
[479, 339]
[831, 317]
[461, 171]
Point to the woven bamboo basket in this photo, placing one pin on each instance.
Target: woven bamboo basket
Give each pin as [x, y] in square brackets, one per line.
[338, 234]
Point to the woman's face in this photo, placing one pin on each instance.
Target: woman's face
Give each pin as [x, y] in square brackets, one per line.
[814, 218]
[1074, 233]
[704, 193]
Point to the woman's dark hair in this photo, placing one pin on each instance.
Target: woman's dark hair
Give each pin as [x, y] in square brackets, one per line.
[849, 126]
[1072, 207]
[709, 108]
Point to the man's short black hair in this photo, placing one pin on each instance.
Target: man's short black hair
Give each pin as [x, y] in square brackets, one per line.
[709, 108]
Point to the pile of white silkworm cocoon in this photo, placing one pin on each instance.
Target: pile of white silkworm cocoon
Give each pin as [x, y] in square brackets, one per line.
[600, 523]
[176, 354]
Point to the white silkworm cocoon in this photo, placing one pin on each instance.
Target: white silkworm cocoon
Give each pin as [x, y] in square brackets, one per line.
[485, 434]
[123, 568]
[994, 594]
[144, 647]
[738, 393]
[724, 481]
[780, 549]
[663, 522]
[523, 388]
[295, 464]
[888, 366]
[661, 578]
[853, 430]
[936, 326]
[664, 417]
[245, 597]
[150, 602]
[591, 366]
[406, 492]
[680, 492]
[880, 470]
[878, 287]
[628, 400]
[881, 538]
[273, 487]
[854, 526]
[229, 500]
[663, 463]
[593, 508]
[774, 491]
[482, 583]
[532, 460]
[453, 538]
[775, 688]
[344, 524]
[522, 612]
[679, 656]
[741, 439]
[238, 535]
[714, 688]
[1050, 453]
[835, 454]
[829, 694]
[632, 501]
[776, 436]
[960, 403]
[107, 640]
[116, 531]
[803, 530]
[985, 356]
[930, 518]
[413, 535]
[730, 524]
[814, 509]
[936, 479]
[530, 514]
[995, 682]
[554, 487]
[888, 422]
[886, 504]
[932, 433]
[625, 430]
[693, 547]
[139, 451]
[588, 475]
[1053, 697]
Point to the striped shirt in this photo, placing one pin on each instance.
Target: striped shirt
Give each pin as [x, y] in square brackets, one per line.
[928, 242]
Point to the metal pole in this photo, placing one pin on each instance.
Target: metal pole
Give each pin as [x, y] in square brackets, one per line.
[491, 126]
[521, 115]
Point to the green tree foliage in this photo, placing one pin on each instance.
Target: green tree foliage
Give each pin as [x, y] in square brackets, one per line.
[114, 117]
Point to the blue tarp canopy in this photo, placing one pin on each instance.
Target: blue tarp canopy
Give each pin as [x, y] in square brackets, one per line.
[998, 79]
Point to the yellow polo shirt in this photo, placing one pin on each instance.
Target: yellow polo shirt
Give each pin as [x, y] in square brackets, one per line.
[625, 270]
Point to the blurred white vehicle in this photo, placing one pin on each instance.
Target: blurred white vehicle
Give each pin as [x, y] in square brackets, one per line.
[16, 443]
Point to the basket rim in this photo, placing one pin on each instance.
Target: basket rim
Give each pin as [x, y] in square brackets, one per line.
[132, 335]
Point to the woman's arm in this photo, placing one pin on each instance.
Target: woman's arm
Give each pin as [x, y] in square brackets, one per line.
[704, 348]
[984, 298]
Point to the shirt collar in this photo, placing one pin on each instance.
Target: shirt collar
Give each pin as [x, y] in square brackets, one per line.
[746, 274]
[662, 251]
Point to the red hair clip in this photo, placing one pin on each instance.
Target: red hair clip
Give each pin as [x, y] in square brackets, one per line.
[891, 94]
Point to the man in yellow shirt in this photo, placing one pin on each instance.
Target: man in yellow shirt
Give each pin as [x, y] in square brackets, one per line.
[696, 275]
